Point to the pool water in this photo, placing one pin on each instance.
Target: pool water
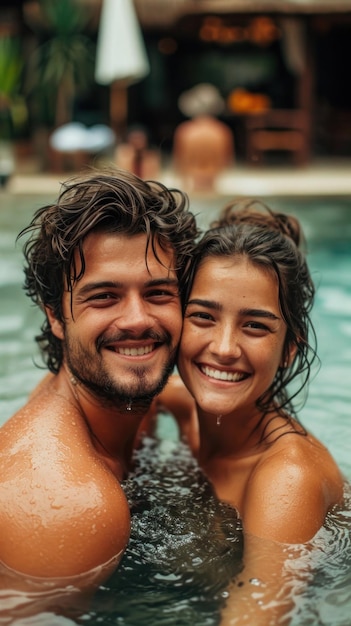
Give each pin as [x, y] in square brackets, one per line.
[171, 573]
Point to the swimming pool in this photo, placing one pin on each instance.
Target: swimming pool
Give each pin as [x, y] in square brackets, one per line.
[156, 597]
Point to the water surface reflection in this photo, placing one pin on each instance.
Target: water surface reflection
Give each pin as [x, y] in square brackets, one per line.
[178, 594]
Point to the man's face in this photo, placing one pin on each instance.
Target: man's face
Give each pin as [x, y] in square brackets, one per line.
[121, 335]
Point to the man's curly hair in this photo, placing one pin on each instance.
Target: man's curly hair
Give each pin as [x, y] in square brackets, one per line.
[111, 201]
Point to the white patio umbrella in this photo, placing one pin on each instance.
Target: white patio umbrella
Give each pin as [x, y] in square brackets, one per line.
[121, 58]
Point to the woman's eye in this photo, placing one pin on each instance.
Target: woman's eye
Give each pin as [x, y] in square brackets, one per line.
[257, 326]
[201, 315]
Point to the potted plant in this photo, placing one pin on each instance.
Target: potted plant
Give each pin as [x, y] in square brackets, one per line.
[12, 104]
[61, 66]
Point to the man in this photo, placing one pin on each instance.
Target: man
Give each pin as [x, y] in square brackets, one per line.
[105, 263]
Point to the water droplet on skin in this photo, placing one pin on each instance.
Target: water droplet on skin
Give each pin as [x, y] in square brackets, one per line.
[219, 419]
[56, 505]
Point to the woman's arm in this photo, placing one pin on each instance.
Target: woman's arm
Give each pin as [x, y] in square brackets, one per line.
[263, 594]
[176, 399]
[286, 502]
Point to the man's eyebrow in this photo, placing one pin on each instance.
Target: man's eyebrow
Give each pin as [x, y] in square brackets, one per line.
[106, 284]
[171, 282]
[216, 306]
[115, 284]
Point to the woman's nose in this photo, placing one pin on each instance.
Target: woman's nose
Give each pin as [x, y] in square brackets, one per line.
[226, 342]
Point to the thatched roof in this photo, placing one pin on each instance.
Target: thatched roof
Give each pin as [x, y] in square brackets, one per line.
[168, 12]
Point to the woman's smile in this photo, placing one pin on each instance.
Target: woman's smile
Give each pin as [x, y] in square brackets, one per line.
[222, 375]
[233, 335]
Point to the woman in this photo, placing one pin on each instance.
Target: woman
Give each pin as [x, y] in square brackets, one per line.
[244, 356]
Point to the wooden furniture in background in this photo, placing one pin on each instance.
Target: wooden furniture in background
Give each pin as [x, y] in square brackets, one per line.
[286, 130]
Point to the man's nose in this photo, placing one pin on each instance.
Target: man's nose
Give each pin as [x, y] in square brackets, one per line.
[134, 314]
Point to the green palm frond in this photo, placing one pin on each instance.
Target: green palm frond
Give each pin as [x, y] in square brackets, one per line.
[59, 16]
[62, 65]
[56, 59]
[11, 67]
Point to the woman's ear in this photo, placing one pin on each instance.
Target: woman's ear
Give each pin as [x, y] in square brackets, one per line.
[289, 356]
[56, 325]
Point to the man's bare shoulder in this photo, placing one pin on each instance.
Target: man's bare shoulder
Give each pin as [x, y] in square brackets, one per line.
[62, 512]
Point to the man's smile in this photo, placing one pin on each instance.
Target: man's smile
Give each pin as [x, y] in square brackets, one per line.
[132, 351]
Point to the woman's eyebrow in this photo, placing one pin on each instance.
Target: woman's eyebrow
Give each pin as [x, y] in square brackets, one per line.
[209, 304]
[216, 306]
[259, 313]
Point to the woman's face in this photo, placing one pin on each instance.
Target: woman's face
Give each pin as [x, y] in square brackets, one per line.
[233, 336]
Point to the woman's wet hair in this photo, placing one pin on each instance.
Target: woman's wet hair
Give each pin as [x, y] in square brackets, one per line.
[274, 242]
[110, 201]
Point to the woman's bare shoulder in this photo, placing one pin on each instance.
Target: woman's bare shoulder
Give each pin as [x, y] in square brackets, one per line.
[291, 489]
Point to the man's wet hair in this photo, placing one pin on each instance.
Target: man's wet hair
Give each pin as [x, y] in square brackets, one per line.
[109, 201]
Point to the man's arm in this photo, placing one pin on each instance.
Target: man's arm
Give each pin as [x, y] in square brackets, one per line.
[62, 512]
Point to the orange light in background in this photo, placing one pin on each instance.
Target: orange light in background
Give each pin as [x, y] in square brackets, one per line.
[243, 102]
[261, 31]
[210, 28]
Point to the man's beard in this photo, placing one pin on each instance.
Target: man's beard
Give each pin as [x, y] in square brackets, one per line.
[111, 392]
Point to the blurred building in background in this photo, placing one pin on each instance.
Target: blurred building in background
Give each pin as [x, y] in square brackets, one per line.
[280, 66]
[264, 56]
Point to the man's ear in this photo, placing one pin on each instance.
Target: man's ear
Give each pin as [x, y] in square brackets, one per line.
[55, 324]
[290, 356]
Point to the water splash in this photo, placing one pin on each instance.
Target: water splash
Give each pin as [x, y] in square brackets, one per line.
[185, 544]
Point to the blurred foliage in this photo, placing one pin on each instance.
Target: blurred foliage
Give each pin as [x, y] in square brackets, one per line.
[12, 105]
[11, 67]
[61, 67]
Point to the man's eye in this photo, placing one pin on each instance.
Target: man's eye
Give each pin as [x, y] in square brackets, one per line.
[101, 296]
[162, 293]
